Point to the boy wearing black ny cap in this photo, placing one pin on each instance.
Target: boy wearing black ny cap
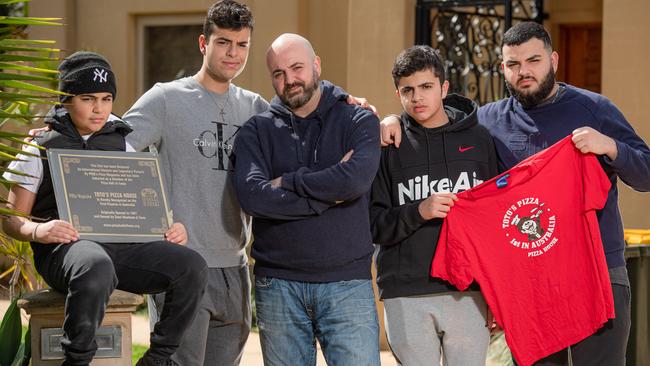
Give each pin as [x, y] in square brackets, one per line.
[88, 271]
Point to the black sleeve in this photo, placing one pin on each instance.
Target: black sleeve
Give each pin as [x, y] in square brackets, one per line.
[390, 225]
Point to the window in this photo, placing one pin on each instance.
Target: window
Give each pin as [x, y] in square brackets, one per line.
[167, 48]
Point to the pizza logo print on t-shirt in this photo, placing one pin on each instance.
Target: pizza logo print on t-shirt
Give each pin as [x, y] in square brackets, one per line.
[529, 225]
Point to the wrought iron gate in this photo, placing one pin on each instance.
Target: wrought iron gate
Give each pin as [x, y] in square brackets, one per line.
[468, 34]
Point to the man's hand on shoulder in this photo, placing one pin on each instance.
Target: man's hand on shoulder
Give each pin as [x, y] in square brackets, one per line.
[35, 132]
[362, 102]
[391, 133]
[588, 140]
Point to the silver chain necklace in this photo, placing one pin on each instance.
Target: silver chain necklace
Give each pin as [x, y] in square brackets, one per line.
[221, 107]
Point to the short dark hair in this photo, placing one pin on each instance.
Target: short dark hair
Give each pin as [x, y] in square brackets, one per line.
[418, 58]
[227, 14]
[524, 31]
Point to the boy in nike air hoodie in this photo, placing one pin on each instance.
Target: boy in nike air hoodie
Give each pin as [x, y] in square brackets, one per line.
[444, 151]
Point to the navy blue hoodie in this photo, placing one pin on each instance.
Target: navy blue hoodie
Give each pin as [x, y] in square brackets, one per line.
[519, 133]
[315, 228]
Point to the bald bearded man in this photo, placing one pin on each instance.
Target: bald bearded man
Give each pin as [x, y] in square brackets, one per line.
[303, 170]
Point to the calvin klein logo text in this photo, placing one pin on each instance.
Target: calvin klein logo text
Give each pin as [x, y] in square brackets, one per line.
[215, 144]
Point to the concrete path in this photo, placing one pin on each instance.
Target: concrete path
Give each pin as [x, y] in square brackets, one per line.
[252, 352]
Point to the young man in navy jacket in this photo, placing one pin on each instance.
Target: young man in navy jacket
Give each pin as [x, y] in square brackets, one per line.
[303, 171]
[542, 111]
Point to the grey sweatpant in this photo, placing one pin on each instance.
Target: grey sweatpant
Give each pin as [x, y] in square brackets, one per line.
[450, 326]
[222, 323]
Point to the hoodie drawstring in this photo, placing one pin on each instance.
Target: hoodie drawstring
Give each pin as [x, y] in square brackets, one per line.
[320, 130]
[444, 154]
[426, 135]
[296, 139]
[299, 152]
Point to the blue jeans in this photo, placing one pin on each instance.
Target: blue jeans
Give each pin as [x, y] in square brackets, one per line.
[291, 315]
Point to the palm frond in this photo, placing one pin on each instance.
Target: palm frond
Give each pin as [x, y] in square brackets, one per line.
[29, 21]
[28, 80]
[7, 48]
[26, 68]
[20, 115]
[17, 76]
[25, 42]
[11, 57]
[8, 2]
[21, 85]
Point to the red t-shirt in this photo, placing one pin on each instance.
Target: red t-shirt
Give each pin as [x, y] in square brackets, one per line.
[533, 245]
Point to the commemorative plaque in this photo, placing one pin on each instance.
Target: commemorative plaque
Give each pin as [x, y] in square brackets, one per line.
[110, 196]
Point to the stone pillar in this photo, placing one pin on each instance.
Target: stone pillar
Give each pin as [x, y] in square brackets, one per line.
[45, 308]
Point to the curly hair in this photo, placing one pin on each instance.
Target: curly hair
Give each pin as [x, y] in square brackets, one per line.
[227, 14]
[418, 58]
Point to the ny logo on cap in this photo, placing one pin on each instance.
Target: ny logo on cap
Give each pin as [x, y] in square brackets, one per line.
[102, 74]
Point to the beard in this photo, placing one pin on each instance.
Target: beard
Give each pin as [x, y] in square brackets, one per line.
[297, 99]
[531, 99]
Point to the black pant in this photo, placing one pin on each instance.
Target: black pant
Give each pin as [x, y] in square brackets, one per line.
[88, 272]
[605, 347]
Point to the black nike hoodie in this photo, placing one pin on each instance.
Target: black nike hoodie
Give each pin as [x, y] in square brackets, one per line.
[449, 158]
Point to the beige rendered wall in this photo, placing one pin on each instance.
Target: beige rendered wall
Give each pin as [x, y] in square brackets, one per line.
[356, 39]
[378, 31]
[626, 35]
[574, 11]
[111, 28]
[53, 9]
